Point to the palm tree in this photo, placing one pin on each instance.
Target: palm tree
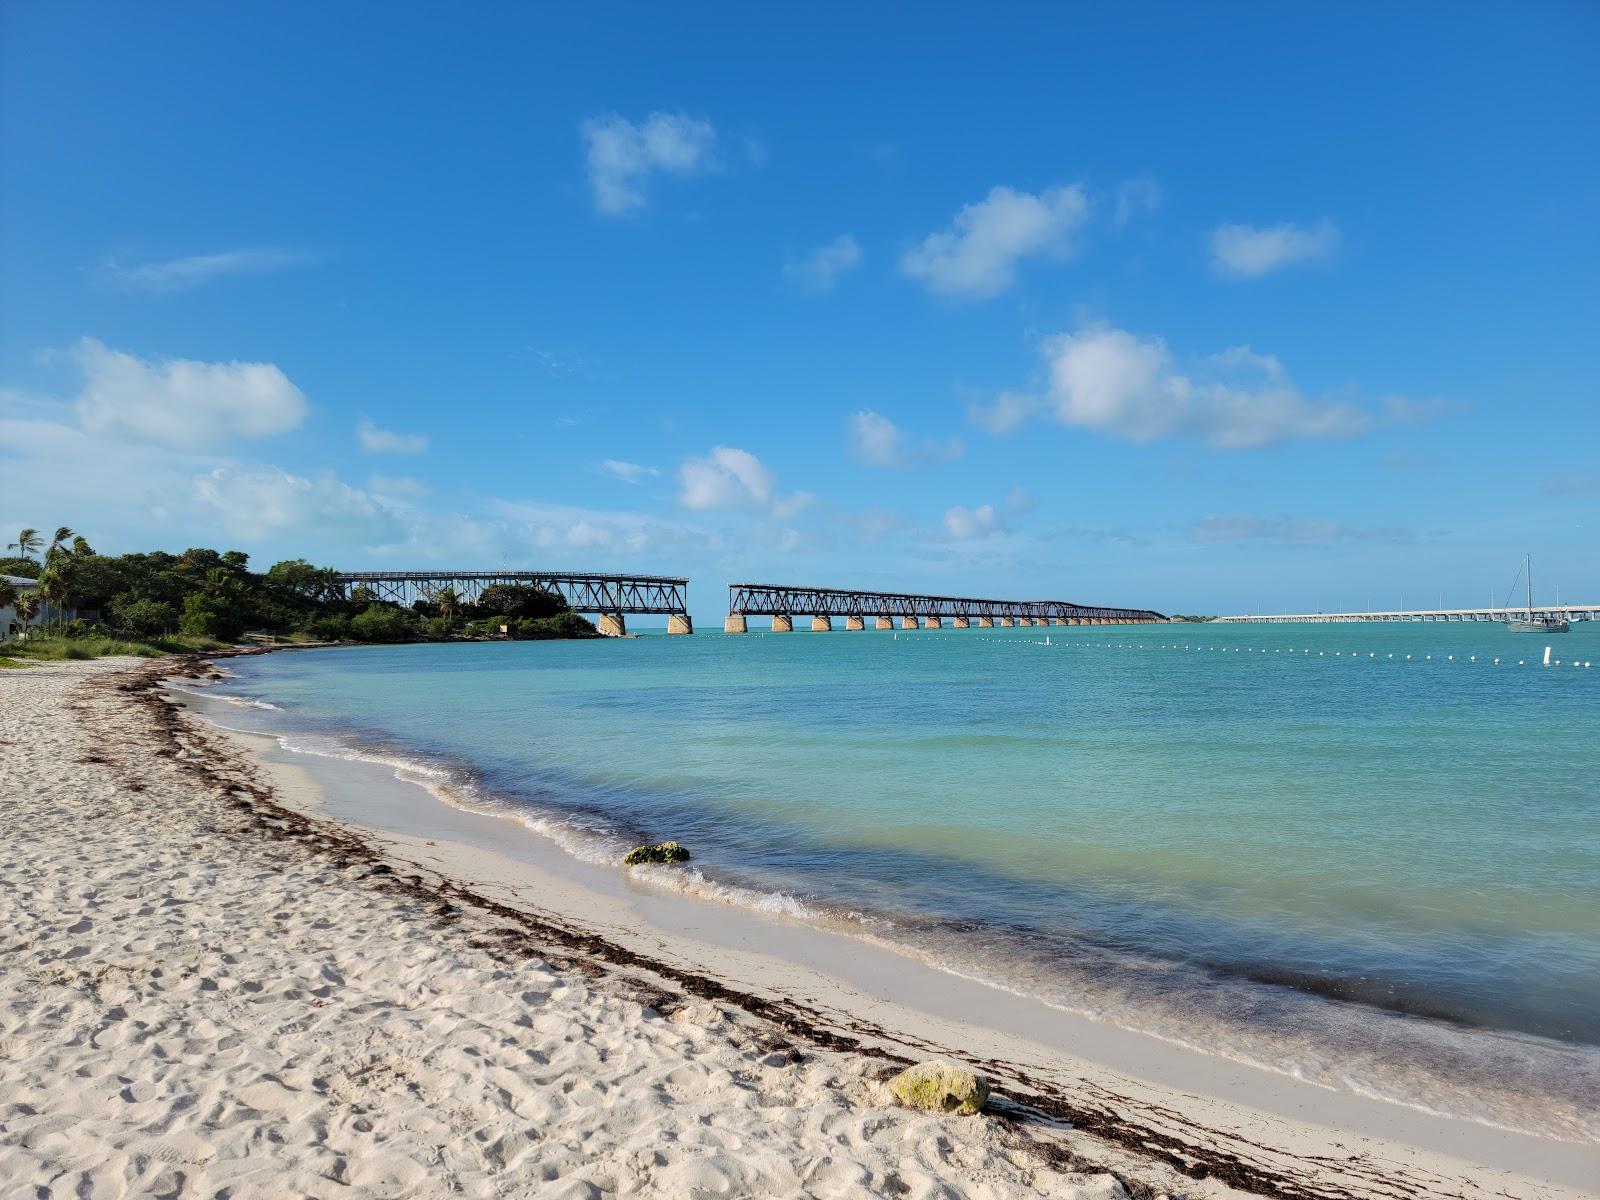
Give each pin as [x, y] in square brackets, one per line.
[27, 605]
[52, 589]
[447, 601]
[59, 542]
[81, 547]
[8, 592]
[27, 542]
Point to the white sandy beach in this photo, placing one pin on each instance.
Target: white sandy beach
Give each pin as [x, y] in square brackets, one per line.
[212, 986]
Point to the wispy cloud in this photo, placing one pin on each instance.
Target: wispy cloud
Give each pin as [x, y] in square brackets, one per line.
[820, 268]
[1248, 251]
[977, 256]
[1005, 413]
[628, 472]
[385, 441]
[1136, 197]
[181, 274]
[879, 442]
[622, 155]
[1239, 528]
[1576, 484]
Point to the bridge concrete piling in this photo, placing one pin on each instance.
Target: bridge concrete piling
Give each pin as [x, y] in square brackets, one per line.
[908, 622]
[885, 622]
[821, 624]
[782, 623]
[612, 625]
[931, 622]
[961, 622]
[680, 623]
[1005, 622]
[853, 623]
[985, 622]
[735, 623]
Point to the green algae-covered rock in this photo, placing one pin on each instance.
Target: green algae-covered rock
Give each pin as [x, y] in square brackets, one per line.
[940, 1086]
[666, 852]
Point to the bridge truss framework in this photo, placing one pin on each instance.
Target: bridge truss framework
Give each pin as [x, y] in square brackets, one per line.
[608, 596]
[783, 602]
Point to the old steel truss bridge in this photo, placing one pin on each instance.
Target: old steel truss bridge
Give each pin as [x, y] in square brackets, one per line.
[608, 596]
[783, 603]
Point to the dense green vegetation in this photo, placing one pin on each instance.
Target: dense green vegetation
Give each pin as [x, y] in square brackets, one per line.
[157, 603]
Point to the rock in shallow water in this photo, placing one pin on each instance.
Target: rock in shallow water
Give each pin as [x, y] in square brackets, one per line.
[940, 1086]
[666, 852]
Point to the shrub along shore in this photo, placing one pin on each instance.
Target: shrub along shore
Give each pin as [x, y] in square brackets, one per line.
[88, 605]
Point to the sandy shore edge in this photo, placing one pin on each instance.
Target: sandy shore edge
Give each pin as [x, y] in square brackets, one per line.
[1101, 1136]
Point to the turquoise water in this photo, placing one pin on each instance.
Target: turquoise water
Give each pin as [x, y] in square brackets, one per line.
[1368, 855]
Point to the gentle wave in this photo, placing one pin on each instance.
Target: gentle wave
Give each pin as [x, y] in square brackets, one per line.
[956, 951]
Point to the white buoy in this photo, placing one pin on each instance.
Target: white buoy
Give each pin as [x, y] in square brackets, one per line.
[1497, 662]
[1547, 656]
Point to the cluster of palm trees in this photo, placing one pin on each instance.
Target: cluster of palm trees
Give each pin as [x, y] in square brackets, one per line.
[50, 589]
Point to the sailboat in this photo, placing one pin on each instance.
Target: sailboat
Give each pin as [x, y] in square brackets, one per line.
[1543, 623]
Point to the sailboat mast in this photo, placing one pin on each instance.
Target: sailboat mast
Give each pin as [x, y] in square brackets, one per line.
[1530, 587]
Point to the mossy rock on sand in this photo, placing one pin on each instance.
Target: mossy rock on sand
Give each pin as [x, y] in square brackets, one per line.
[939, 1086]
[666, 852]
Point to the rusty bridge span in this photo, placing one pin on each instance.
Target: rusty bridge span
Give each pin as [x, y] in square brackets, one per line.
[783, 603]
[607, 596]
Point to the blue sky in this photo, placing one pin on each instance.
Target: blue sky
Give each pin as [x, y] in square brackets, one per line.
[1220, 309]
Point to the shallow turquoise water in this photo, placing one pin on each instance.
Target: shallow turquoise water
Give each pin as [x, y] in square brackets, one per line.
[1291, 844]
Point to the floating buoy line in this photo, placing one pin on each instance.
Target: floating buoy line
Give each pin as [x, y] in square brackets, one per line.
[1302, 651]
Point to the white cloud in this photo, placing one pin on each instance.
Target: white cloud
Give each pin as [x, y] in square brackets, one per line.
[879, 442]
[267, 502]
[398, 487]
[623, 155]
[181, 274]
[182, 403]
[1005, 413]
[628, 472]
[978, 255]
[1136, 197]
[1245, 251]
[822, 267]
[1127, 386]
[385, 441]
[963, 524]
[733, 479]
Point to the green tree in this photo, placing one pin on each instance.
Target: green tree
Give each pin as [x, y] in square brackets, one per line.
[384, 623]
[28, 541]
[146, 618]
[519, 600]
[81, 547]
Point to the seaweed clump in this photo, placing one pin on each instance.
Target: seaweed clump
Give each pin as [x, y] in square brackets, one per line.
[666, 852]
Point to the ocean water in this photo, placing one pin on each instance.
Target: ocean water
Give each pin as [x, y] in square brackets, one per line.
[1366, 855]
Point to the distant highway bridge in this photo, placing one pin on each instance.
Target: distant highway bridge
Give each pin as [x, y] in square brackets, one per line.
[1573, 612]
[607, 596]
[783, 602]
